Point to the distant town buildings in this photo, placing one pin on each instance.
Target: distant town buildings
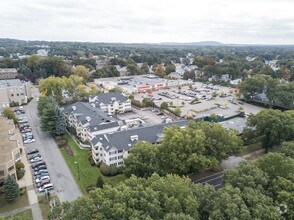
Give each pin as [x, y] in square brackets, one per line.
[8, 73]
[14, 91]
[9, 149]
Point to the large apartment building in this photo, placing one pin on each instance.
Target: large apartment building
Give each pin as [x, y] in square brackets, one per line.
[112, 103]
[8, 73]
[9, 149]
[14, 90]
[112, 148]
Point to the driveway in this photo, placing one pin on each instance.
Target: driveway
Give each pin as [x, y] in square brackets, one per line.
[64, 183]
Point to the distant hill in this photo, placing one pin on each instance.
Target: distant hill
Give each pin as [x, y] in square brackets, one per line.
[201, 43]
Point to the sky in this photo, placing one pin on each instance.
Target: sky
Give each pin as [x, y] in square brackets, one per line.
[149, 21]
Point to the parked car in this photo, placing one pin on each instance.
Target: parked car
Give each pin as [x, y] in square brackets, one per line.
[43, 182]
[42, 167]
[41, 171]
[34, 155]
[41, 175]
[34, 151]
[27, 141]
[36, 159]
[159, 113]
[42, 178]
[47, 187]
[241, 103]
[37, 164]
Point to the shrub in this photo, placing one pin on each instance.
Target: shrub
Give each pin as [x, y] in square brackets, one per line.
[22, 191]
[91, 160]
[20, 173]
[105, 169]
[99, 182]
[90, 188]
[113, 171]
[120, 170]
[58, 138]
[62, 143]
[19, 165]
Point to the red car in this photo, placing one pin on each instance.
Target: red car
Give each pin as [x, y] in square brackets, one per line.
[42, 183]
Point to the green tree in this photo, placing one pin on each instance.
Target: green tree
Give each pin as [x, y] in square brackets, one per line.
[142, 160]
[52, 86]
[273, 126]
[146, 102]
[81, 71]
[10, 189]
[60, 121]
[164, 105]
[170, 68]
[288, 149]
[99, 182]
[252, 86]
[9, 113]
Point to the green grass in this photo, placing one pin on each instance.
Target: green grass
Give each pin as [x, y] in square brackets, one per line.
[22, 201]
[88, 173]
[45, 205]
[25, 215]
[251, 148]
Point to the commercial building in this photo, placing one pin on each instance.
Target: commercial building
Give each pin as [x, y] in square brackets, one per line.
[140, 83]
[9, 149]
[112, 103]
[8, 73]
[14, 90]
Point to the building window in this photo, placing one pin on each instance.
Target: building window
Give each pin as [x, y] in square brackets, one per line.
[112, 158]
[120, 151]
[10, 168]
[113, 152]
[12, 95]
[1, 172]
[120, 163]
[120, 157]
[113, 165]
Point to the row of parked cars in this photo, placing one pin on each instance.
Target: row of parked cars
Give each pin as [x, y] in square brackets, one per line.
[24, 127]
[40, 171]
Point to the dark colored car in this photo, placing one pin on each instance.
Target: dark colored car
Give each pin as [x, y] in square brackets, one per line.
[34, 151]
[37, 164]
[42, 167]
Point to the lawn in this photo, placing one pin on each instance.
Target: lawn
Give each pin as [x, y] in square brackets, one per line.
[25, 215]
[251, 148]
[45, 205]
[22, 201]
[88, 173]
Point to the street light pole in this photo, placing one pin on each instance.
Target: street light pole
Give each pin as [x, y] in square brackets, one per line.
[78, 170]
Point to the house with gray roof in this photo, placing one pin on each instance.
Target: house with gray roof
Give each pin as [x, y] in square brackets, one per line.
[113, 147]
[112, 103]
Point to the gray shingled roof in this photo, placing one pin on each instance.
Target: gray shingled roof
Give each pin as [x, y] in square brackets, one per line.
[106, 98]
[121, 140]
[99, 119]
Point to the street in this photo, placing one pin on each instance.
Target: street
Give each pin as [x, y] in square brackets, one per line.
[215, 180]
[64, 184]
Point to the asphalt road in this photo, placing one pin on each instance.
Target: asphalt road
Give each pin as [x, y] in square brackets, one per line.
[60, 175]
[215, 180]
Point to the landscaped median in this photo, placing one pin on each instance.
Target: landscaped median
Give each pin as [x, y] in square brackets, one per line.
[84, 174]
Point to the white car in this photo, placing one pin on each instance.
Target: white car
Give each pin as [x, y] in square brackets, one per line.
[27, 141]
[38, 180]
[36, 159]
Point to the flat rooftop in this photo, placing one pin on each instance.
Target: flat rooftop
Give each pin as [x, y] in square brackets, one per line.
[5, 83]
[236, 123]
[6, 145]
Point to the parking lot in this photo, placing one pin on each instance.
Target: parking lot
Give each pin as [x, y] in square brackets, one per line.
[148, 116]
[207, 100]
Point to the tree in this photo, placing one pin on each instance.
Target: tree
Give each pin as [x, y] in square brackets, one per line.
[9, 113]
[81, 71]
[272, 126]
[170, 68]
[288, 149]
[52, 86]
[164, 105]
[252, 86]
[133, 69]
[147, 102]
[60, 122]
[142, 160]
[246, 175]
[99, 182]
[159, 71]
[10, 189]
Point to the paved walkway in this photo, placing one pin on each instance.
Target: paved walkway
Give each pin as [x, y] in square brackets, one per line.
[15, 211]
[27, 181]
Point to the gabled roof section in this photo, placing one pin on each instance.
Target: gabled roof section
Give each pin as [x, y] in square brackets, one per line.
[123, 140]
[107, 98]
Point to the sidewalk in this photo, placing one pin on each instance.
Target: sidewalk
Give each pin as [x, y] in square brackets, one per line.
[27, 181]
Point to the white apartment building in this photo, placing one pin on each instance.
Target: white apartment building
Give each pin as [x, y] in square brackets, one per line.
[112, 103]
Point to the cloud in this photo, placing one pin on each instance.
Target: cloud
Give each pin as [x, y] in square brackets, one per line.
[228, 21]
